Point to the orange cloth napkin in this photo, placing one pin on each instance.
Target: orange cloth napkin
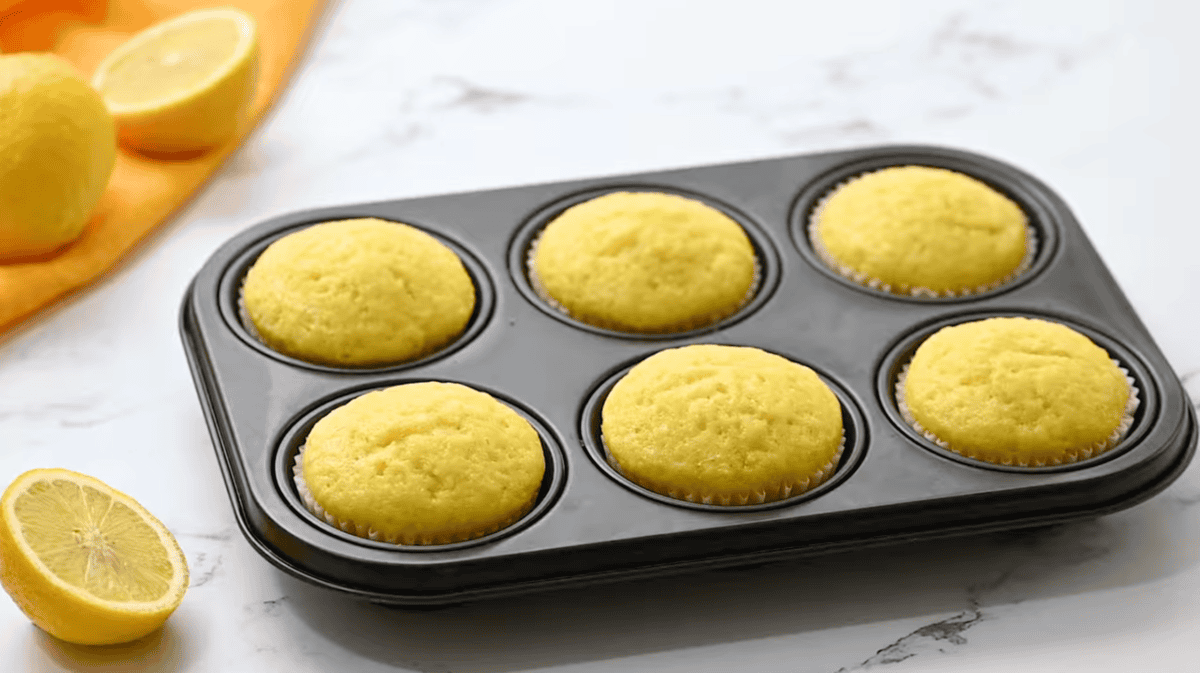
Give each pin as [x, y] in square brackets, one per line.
[143, 191]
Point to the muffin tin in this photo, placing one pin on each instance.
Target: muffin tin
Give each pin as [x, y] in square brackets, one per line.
[589, 523]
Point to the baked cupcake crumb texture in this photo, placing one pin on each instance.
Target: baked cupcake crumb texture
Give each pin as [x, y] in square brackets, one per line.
[1017, 392]
[923, 232]
[644, 262]
[421, 463]
[357, 293]
[722, 425]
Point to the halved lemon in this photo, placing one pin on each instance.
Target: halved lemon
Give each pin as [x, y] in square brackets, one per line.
[185, 84]
[85, 562]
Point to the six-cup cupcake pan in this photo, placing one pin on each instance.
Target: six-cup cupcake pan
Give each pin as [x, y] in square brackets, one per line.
[590, 524]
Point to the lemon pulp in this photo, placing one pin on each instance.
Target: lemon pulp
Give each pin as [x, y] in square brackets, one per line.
[178, 62]
[106, 549]
[185, 84]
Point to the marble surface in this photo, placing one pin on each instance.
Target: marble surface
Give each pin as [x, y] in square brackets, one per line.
[405, 98]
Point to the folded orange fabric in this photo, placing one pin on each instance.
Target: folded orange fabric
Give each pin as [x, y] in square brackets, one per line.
[143, 191]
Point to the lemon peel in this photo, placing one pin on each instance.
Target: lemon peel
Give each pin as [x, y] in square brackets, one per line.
[57, 151]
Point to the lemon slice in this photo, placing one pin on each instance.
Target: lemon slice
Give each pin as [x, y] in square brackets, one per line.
[85, 562]
[185, 84]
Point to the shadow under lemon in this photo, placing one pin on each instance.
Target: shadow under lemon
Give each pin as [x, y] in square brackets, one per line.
[166, 649]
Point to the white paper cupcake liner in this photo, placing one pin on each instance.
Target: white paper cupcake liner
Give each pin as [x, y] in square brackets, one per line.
[860, 278]
[1068, 458]
[755, 498]
[244, 316]
[370, 533]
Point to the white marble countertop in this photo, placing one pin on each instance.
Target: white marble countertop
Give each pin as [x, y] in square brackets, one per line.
[404, 97]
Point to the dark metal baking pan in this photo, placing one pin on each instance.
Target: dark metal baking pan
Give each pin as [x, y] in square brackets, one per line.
[589, 524]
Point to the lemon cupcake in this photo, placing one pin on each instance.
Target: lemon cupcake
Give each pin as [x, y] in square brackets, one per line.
[922, 231]
[644, 262]
[356, 293]
[1017, 391]
[421, 463]
[722, 425]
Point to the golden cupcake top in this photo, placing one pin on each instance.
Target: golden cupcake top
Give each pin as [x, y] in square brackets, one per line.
[423, 463]
[722, 424]
[644, 262]
[922, 230]
[1017, 391]
[358, 293]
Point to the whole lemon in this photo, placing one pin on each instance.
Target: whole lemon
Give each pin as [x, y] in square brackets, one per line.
[58, 144]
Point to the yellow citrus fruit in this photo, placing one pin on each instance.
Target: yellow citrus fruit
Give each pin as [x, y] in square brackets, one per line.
[185, 84]
[85, 562]
[57, 149]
